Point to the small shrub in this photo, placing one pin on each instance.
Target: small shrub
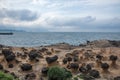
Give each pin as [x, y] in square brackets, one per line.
[4, 76]
[57, 73]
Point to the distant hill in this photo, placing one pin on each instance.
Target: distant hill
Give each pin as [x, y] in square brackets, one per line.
[8, 30]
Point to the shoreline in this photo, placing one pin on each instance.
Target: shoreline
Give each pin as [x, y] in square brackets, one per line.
[94, 43]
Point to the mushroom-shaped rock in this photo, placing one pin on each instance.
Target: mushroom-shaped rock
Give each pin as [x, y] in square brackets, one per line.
[69, 59]
[30, 76]
[6, 52]
[1, 67]
[94, 73]
[26, 67]
[117, 78]
[98, 56]
[65, 61]
[33, 54]
[88, 67]
[74, 66]
[44, 70]
[85, 68]
[113, 58]
[10, 57]
[105, 67]
[51, 59]
[82, 69]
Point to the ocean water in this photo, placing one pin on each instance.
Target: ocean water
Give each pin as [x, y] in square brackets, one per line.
[29, 39]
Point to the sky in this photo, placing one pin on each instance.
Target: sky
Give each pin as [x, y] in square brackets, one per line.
[60, 15]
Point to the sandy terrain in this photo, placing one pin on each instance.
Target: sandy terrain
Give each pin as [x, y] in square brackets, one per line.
[61, 50]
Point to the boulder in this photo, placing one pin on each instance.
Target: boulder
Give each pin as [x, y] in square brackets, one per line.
[104, 66]
[10, 57]
[65, 61]
[44, 70]
[51, 59]
[7, 52]
[94, 73]
[30, 76]
[26, 67]
[74, 66]
[113, 58]
[33, 55]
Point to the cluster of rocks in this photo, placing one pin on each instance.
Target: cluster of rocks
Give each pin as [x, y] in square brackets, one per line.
[9, 55]
[102, 43]
[73, 61]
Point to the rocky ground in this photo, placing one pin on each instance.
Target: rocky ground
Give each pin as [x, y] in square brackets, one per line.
[100, 58]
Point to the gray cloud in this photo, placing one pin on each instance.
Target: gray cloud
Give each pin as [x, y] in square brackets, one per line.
[22, 15]
[70, 21]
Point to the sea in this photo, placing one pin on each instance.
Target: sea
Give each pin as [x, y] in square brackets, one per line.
[31, 39]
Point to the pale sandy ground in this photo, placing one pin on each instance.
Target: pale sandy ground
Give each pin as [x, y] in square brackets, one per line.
[61, 53]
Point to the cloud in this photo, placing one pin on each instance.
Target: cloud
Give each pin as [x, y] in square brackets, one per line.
[22, 15]
[61, 15]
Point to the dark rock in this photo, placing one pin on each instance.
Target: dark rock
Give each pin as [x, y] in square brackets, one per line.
[94, 73]
[7, 52]
[30, 76]
[37, 60]
[43, 50]
[113, 58]
[85, 68]
[117, 78]
[51, 59]
[104, 66]
[44, 70]
[10, 57]
[10, 65]
[75, 59]
[74, 65]
[82, 69]
[69, 59]
[65, 61]
[1, 67]
[88, 67]
[98, 56]
[26, 67]
[115, 43]
[33, 54]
